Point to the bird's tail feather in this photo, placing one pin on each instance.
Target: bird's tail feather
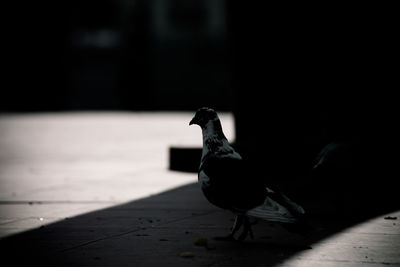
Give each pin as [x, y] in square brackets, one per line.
[277, 207]
[294, 207]
[271, 210]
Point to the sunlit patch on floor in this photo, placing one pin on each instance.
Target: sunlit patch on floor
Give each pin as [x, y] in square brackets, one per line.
[55, 166]
[375, 242]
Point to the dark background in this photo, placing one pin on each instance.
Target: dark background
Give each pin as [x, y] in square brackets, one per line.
[297, 77]
[119, 55]
[179, 55]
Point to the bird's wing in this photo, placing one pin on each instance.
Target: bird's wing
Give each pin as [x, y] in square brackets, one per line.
[283, 200]
[222, 169]
[222, 175]
[277, 207]
[226, 179]
[271, 210]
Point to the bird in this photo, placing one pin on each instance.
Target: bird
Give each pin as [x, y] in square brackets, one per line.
[228, 182]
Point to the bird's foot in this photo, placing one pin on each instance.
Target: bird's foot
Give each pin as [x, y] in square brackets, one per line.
[240, 220]
[246, 230]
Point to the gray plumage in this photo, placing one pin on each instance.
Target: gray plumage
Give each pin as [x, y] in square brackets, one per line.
[229, 184]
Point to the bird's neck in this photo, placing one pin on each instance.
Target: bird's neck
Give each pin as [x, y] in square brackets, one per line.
[213, 129]
[214, 140]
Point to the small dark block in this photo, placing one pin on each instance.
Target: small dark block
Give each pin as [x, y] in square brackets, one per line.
[184, 159]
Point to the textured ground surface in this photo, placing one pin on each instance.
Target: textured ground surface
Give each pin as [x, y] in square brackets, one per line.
[93, 189]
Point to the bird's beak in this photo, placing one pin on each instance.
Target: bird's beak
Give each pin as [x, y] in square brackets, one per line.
[195, 120]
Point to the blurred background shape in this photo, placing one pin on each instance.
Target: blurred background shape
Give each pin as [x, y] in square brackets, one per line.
[180, 55]
[125, 54]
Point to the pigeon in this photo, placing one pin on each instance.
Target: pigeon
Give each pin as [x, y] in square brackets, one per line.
[228, 183]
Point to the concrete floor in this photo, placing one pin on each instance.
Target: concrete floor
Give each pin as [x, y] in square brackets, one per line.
[80, 189]
[54, 166]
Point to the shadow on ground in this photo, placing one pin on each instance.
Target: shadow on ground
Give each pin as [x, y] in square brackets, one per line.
[162, 230]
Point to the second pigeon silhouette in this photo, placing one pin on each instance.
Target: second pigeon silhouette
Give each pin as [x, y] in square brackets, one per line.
[228, 183]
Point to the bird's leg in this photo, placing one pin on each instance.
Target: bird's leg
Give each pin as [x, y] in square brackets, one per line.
[246, 230]
[239, 219]
[250, 230]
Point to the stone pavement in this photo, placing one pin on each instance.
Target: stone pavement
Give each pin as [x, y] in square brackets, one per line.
[54, 166]
[93, 189]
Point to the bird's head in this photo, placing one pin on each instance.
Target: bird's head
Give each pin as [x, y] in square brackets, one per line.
[203, 115]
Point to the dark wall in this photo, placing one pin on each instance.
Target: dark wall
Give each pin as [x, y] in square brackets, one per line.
[308, 76]
[177, 54]
[33, 59]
